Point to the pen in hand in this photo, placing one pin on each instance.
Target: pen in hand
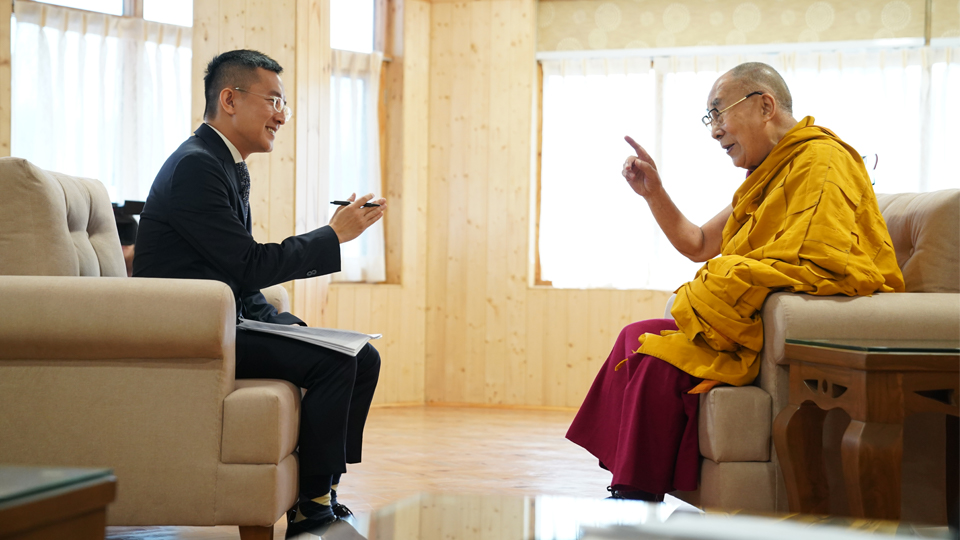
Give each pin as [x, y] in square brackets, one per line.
[348, 203]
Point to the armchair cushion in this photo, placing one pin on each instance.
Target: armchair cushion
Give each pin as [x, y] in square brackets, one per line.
[923, 227]
[734, 424]
[746, 486]
[48, 227]
[255, 494]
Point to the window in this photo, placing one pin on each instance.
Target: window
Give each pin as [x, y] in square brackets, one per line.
[352, 25]
[354, 130]
[892, 105]
[97, 95]
[179, 12]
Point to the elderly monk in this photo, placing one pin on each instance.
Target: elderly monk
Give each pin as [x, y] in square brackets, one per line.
[805, 220]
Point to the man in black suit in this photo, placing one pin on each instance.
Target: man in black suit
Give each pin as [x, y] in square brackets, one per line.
[196, 224]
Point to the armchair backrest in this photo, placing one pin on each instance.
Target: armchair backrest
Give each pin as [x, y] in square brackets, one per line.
[925, 233]
[53, 224]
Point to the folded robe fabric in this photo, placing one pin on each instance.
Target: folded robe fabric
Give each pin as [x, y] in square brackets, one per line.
[806, 220]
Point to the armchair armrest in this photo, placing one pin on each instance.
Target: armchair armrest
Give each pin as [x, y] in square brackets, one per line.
[80, 318]
[277, 297]
[261, 422]
[883, 315]
[126, 373]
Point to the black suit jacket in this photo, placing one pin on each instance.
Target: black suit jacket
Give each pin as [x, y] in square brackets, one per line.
[192, 226]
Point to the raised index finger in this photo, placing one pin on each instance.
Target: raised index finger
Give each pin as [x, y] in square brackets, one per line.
[641, 153]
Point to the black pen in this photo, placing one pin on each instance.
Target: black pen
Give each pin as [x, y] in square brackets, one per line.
[348, 203]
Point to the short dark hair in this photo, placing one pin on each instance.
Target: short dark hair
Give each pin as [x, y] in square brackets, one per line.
[233, 69]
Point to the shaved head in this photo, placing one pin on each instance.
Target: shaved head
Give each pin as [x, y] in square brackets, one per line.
[752, 110]
[760, 76]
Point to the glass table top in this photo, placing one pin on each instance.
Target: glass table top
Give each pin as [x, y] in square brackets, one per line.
[932, 346]
[19, 483]
[506, 517]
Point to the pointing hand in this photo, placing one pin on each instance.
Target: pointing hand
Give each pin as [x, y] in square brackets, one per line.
[640, 171]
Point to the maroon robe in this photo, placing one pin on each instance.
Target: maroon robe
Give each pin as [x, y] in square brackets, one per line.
[640, 422]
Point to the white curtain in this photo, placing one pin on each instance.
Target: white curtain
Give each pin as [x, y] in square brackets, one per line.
[898, 107]
[97, 95]
[355, 155]
[589, 217]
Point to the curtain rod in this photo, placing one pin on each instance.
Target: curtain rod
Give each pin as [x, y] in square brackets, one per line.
[768, 48]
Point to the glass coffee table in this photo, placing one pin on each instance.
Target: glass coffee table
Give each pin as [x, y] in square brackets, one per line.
[54, 502]
[510, 517]
[878, 382]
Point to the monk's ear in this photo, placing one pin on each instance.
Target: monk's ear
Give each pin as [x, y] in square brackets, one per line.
[227, 97]
[770, 105]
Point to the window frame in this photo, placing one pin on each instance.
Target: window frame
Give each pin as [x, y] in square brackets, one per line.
[132, 9]
[537, 279]
[387, 27]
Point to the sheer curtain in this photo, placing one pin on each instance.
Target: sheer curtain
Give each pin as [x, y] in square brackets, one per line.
[588, 106]
[899, 107]
[355, 155]
[99, 96]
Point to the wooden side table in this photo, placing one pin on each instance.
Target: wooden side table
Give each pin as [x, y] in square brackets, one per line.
[878, 383]
[55, 503]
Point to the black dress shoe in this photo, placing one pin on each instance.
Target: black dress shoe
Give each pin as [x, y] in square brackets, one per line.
[634, 495]
[341, 511]
[315, 525]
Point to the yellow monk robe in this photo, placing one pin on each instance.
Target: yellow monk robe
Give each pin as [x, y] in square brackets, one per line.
[806, 220]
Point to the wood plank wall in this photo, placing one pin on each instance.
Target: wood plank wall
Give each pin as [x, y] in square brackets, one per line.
[489, 337]
[6, 11]
[314, 65]
[398, 311]
[269, 26]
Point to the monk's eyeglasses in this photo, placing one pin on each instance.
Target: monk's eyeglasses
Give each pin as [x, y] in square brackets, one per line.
[279, 104]
[712, 118]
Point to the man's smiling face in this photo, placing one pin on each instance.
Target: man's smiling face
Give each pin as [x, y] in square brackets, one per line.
[256, 120]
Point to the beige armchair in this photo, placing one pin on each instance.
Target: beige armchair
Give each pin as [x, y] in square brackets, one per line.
[97, 369]
[740, 470]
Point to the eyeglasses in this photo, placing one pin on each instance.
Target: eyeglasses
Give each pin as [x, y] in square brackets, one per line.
[712, 118]
[279, 104]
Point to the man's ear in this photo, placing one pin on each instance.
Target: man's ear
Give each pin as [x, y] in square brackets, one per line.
[227, 96]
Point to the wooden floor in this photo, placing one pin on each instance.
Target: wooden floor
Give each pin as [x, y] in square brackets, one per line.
[440, 449]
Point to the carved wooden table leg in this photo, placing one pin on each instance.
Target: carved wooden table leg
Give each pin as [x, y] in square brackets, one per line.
[798, 434]
[872, 454]
[878, 383]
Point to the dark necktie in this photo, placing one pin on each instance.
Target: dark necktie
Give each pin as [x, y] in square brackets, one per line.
[244, 175]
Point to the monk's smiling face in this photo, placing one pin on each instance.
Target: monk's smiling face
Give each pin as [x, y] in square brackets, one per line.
[742, 130]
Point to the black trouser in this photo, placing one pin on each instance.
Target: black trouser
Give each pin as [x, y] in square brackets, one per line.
[339, 391]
